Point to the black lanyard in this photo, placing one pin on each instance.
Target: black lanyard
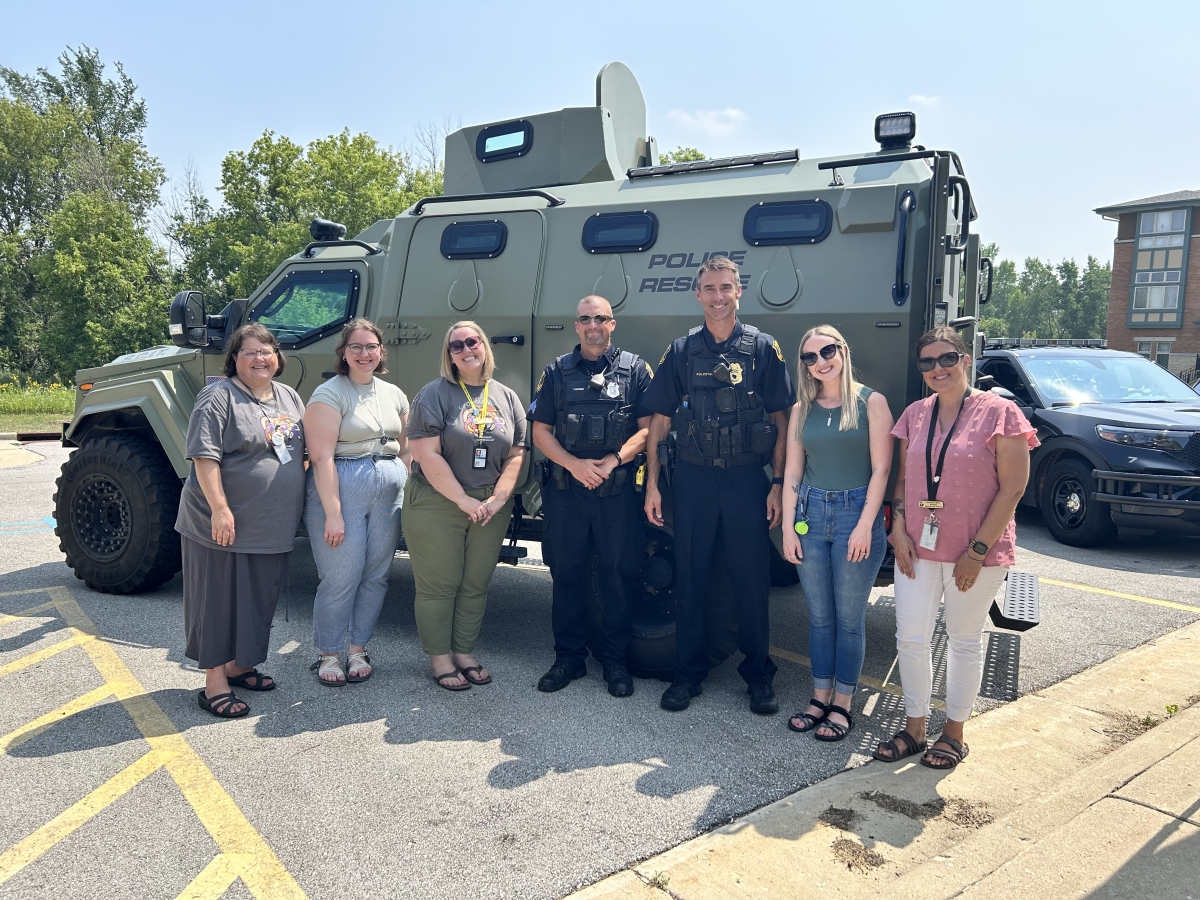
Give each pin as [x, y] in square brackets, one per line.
[933, 478]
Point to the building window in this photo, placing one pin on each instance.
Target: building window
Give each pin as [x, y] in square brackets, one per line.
[1165, 297]
[1159, 264]
[1156, 351]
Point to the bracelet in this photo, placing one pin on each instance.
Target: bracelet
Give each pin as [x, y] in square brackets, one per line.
[776, 481]
[968, 555]
[617, 454]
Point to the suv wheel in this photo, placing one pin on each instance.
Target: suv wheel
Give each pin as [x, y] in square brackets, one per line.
[1069, 510]
[115, 506]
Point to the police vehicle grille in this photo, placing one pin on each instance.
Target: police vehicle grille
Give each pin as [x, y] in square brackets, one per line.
[1190, 453]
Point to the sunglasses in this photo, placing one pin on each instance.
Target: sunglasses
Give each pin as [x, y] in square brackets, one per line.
[946, 361]
[588, 320]
[829, 351]
[470, 344]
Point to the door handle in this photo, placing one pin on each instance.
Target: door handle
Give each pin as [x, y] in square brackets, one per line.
[900, 290]
[517, 340]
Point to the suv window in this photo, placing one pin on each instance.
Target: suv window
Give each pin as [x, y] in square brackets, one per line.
[1009, 378]
[308, 305]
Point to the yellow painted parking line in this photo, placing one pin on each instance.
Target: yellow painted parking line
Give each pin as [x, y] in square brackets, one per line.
[215, 878]
[26, 851]
[892, 689]
[6, 618]
[30, 729]
[45, 653]
[243, 852]
[1170, 604]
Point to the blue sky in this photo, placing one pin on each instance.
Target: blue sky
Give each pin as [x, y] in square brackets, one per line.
[1055, 107]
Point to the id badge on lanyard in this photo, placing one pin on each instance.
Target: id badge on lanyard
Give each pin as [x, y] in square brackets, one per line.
[480, 459]
[280, 447]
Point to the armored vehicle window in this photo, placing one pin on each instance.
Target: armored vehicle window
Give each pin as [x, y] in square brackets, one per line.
[474, 240]
[803, 222]
[620, 232]
[505, 141]
[307, 305]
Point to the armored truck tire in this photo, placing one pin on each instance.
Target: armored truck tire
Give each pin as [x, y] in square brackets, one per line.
[1071, 513]
[652, 647]
[115, 505]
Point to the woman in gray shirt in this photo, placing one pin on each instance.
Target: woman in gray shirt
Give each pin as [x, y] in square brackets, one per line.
[238, 516]
[468, 438]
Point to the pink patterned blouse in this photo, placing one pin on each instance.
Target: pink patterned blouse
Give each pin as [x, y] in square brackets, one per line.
[969, 482]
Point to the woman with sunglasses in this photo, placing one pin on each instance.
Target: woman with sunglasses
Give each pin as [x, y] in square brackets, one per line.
[354, 429]
[964, 464]
[468, 438]
[839, 457]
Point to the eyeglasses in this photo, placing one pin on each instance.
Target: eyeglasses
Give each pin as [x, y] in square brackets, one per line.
[946, 361]
[588, 320]
[359, 348]
[255, 354]
[829, 351]
[469, 343]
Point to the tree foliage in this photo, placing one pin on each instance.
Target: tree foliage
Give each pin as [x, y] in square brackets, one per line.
[1043, 300]
[681, 154]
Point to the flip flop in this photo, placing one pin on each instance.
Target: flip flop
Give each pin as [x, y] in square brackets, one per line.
[221, 705]
[839, 730]
[441, 680]
[911, 747]
[810, 721]
[466, 673]
[243, 681]
[956, 754]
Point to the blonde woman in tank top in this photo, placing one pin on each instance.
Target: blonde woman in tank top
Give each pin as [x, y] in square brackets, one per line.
[839, 456]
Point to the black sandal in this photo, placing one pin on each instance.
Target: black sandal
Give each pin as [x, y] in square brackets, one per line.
[220, 705]
[441, 680]
[956, 754]
[840, 730]
[260, 684]
[911, 747]
[810, 721]
[466, 673]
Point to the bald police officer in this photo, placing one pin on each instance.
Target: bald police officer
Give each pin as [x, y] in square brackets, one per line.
[727, 388]
[586, 423]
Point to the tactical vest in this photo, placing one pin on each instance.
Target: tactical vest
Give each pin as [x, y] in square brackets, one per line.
[722, 421]
[590, 421]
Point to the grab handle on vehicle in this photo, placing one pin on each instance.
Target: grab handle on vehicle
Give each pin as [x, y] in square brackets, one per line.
[986, 261]
[900, 290]
[955, 246]
[341, 242]
[550, 199]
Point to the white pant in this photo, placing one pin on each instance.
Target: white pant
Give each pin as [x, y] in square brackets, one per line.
[917, 601]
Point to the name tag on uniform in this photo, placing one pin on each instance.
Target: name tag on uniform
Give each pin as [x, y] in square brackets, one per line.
[480, 460]
[929, 534]
[281, 450]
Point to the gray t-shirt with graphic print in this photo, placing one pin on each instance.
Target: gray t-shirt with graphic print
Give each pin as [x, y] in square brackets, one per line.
[440, 409]
[265, 495]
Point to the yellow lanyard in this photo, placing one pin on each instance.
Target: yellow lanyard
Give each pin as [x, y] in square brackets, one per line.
[481, 422]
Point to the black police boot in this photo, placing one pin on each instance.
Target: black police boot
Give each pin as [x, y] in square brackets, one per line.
[762, 699]
[560, 675]
[679, 695]
[620, 682]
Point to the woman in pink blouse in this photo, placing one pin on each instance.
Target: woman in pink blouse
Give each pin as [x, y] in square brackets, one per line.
[965, 464]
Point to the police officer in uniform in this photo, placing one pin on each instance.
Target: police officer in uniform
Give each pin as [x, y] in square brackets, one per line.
[586, 423]
[727, 388]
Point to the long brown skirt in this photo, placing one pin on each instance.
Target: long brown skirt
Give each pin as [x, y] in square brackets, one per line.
[229, 600]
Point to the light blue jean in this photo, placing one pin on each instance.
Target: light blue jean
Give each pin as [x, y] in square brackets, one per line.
[836, 589]
[354, 574]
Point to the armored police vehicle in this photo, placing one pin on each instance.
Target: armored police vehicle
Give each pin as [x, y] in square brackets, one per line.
[538, 212]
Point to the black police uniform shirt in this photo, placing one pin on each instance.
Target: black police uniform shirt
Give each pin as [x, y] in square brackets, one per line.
[640, 380]
[772, 381]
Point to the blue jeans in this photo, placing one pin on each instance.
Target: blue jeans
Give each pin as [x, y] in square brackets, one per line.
[836, 589]
[354, 574]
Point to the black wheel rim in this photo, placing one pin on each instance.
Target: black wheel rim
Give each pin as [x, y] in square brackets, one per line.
[100, 518]
[1070, 502]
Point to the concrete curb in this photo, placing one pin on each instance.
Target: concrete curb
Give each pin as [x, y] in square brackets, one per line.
[1045, 771]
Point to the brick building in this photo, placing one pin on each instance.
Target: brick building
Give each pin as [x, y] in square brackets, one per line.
[1154, 303]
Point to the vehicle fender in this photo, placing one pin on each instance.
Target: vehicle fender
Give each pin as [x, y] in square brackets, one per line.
[1052, 450]
[165, 399]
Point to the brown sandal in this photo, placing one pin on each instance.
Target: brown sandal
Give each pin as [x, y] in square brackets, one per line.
[441, 680]
[911, 747]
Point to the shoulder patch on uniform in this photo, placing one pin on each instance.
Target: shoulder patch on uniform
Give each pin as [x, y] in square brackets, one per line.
[650, 371]
[778, 351]
[541, 381]
[664, 356]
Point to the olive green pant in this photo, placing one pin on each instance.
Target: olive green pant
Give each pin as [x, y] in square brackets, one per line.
[453, 560]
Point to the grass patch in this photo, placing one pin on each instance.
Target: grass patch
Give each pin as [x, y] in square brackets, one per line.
[855, 856]
[28, 405]
[842, 819]
[919, 812]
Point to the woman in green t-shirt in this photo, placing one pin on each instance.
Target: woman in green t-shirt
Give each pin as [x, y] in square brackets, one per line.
[468, 437]
[839, 456]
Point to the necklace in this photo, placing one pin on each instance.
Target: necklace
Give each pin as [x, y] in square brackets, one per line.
[377, 414]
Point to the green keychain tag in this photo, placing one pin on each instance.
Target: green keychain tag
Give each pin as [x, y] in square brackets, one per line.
[801, 528]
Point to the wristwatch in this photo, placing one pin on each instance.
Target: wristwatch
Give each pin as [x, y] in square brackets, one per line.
[979, 548]
[776, 481]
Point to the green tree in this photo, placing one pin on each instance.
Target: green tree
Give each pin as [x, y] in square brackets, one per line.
[681, 154]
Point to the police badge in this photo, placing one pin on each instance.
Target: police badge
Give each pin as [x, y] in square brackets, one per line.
[735, 373]
[613, 389]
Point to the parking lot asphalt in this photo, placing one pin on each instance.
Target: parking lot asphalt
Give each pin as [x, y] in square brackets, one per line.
[395, 788]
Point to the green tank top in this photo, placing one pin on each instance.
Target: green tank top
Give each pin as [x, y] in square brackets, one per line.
[837, 460]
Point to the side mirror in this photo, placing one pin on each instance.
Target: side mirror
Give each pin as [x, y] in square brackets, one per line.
[1006, 394]
[186, 320]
